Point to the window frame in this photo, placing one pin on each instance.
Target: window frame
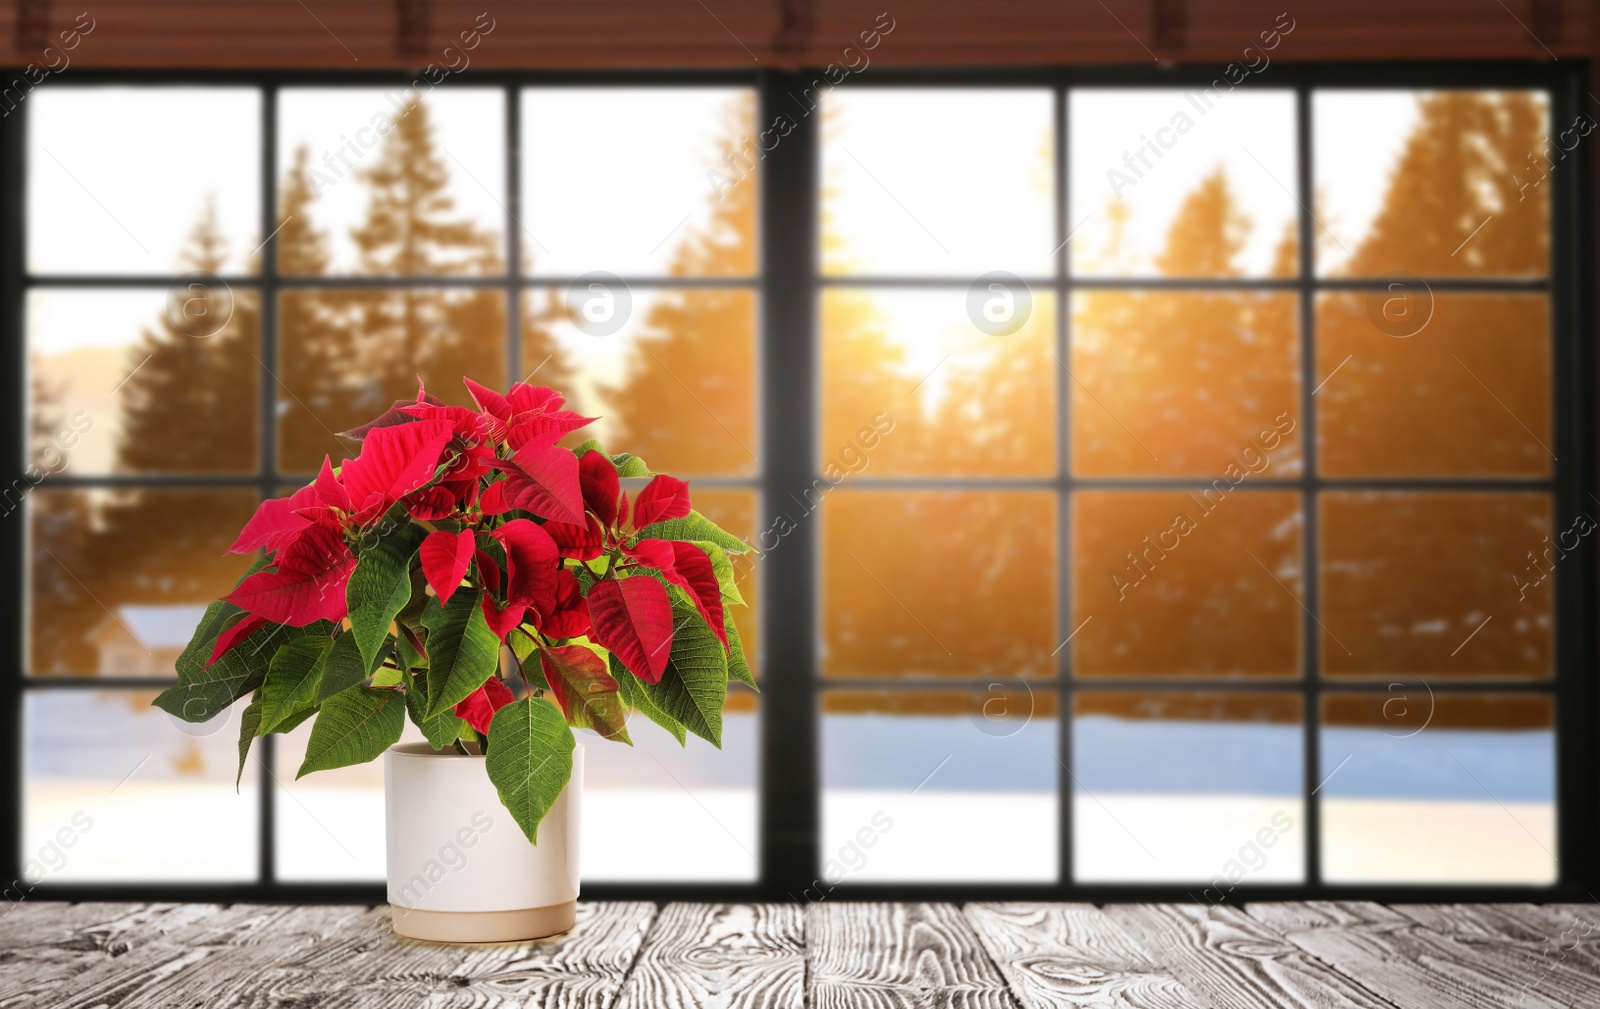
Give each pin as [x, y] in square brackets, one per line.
[789, 283]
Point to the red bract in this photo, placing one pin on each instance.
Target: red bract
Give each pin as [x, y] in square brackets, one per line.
[445, 559]
[542, 479]
[394, 461]
[632, 617]
[246, 626]
[308, 584]
[663, 498]
[479, 707]
[598, 478]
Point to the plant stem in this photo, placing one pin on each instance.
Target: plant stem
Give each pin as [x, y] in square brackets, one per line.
[461, 748]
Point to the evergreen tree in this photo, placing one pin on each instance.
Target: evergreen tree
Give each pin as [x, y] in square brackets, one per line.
[687, 401]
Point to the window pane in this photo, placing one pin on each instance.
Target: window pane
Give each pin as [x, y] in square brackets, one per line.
[327, 826]
[144, 381]
[1436, 584]
[388, 183]
[735, 511]
[345, 355]
[933, 786]
[1198, 583]
[1185, 383]
[950, 182]
[1188, 787]
[1467, 394]
[1438, 788]
[661, 183]
[1433, 183]
[671, 375]
[102, 199]
[1196, 183]
[942, 391]
[118, 580]
[938, 583]
[115, 790]
[709, 796]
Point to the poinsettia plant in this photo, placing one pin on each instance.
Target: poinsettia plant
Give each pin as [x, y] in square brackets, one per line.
[469, 572]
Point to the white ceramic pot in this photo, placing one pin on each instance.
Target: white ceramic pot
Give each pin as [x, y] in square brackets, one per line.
[460, 869]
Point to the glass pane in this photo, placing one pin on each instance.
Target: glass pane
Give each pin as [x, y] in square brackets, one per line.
[389, 183]
[1440, 385]
[328, 826]
[1434, 183]
[922, 382]
[674, 193]
[144, 381]
[1438, 584]
[345, 355]
[927, 786]
[1195, 183]
[938, 583]
[1185, 383]
[671, 373]
[709, 796]
[943, 181]
[118, 580]
[1187, 583]
[1438, 788]
[735, 511]
[101, 200]
[1188, 787]
[115, 790]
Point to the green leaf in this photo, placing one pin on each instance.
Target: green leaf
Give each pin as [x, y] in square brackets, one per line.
[341, 668]
[696, 679]
[354, 727]
[694, 527]
[440, 730]
[630, 466]
[738, 663]
[635, 696]
[379, 589]
[249, 729]
[292, 680]
[201, 693]
[462, 651]
[530, 761]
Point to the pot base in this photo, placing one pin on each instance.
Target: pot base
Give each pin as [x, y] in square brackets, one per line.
[484, 926]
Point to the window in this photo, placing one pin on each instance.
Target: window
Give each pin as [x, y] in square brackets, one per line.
[1154, 484]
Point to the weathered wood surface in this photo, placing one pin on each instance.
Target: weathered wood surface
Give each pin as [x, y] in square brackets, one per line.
[1347, 955]
[1226, 958]
[1056, 955]
[1413, 965]
[868, 955]
[738, 956]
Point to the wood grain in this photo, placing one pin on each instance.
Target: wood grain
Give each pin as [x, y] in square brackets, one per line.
[1072, 955]
[880, 955]
[735, 956]
[258, 955]
[1415, 966]
[1226, 958]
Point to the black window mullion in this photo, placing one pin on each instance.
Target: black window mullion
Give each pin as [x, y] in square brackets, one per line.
[1310, 630]
[790, 796]
[266, 842]
[1065, 875]
[13, 461]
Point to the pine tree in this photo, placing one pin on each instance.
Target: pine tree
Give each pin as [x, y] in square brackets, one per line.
[316, 332]
[687, 401]
[411, 231]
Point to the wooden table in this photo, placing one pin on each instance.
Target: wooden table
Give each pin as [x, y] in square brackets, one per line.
[1322, 955]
